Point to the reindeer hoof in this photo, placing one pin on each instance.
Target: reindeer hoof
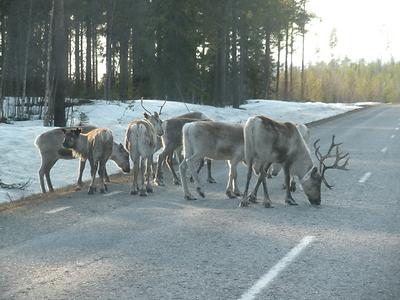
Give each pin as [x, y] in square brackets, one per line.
[267, 204]
[91, 190]
[238, 193]
[290, 201]
[143, 193]
[149, 189]
[230, 194]
[159, 182]
[211, 180]
[253, 198]
[189, 197]
[102, 191]
[244, 203]
[134, 192]
[106, 187]
[201, 193]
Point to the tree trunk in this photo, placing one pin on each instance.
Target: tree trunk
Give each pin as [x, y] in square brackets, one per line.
[243, 65]
[286, 83]
[291, 88]
[88, 79]
[235, 90]
[267, 66]
[49, 96]
[123, 65]
[60, 54]
[110, 16]
[77, 60]
[28, 38]
[278, 68]
[302, 56]
[4, 54]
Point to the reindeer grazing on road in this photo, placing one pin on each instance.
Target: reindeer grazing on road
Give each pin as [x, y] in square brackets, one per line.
[213, 140]
[96, 146]
[172, 142]
[141, 142]
[267, 141]
[51, 150]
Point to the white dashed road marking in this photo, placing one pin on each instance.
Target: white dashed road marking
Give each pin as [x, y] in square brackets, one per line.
[281, 265]
[392, 136]
[56, 210]
[397, 128]
[112, 193]
[384, 150]
[365, 177]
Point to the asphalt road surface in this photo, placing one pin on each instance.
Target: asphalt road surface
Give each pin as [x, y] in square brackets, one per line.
[118, 246]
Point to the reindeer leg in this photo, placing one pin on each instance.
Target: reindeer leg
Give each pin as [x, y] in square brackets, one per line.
[142, 190]
[192, 163]
[161, 158]
[210, 179]
[135, 159]
[267, 200]
[288, 198]
[171, 168]
[82, 163]
[182, 169]
[93, 171]
[245, 202]
[149, 188]
[102, 168]
[229, 187]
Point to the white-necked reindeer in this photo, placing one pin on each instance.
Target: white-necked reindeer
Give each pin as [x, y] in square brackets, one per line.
[96, 146]
[267, 141]
[172, 142]
[213, 140]
[141, 142]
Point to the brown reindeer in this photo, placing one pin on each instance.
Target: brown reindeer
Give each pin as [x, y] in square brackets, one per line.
[267, 141]
[172, 142]
[51, 150]
[212, 140]
[96, 146]
[141, 141]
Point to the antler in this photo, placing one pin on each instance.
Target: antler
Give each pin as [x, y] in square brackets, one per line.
[163, 105]
[141, 103]
[336, 164]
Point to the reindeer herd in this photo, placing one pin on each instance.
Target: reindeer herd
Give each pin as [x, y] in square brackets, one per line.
[264, 145]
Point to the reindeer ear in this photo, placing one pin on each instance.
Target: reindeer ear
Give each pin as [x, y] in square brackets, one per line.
[78, 131]
[146, 115]
[156, 114]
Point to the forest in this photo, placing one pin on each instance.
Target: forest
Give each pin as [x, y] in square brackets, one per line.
[209, 52]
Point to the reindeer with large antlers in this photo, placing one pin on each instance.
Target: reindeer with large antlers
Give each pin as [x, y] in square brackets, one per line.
[141, 142]
[267, 141]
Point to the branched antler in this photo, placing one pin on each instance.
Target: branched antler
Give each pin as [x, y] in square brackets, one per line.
[161, 107]
[336, 164]
[141, 103]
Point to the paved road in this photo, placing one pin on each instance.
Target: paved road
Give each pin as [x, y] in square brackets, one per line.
[163, 247]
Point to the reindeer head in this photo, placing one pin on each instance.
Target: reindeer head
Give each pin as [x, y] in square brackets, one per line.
[312, 185]
[70, 137]
[154, 118]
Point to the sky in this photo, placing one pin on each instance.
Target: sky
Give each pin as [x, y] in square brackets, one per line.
[365, 29]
